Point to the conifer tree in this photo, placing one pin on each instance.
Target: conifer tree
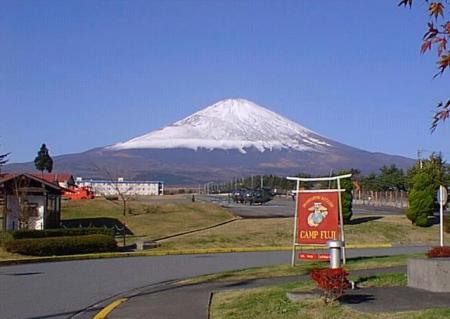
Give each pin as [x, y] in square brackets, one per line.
[43, 161]
[421, 199]
[347, 196]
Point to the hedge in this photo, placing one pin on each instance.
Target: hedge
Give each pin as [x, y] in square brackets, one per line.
[61, 245]
[61, 232]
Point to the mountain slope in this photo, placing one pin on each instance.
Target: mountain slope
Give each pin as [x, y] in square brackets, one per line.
[231, 138]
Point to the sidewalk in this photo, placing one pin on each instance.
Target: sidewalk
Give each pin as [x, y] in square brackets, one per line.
[192, 301]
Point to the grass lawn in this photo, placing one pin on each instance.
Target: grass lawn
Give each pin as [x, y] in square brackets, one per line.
[302, 268]
[150, 217]
[365, 229]
[159, 216]
[272, 303]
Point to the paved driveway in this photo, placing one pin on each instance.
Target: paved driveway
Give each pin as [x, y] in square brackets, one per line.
[62, 289]
[281, 207]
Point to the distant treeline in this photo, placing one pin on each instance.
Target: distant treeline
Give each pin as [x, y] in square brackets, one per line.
[387, 178]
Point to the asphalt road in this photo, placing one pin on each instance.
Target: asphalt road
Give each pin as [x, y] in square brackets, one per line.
[63, 289]
[281, 207]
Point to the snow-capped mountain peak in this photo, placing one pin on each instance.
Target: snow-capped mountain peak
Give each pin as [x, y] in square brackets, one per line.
[230, 124]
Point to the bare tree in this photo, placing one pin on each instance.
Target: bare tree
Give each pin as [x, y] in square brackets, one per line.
[21, 190]
[123, 193]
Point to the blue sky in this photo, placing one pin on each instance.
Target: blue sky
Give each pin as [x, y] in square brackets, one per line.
[82, 74]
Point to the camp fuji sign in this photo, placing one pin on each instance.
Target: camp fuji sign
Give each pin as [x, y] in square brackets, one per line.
[317, 217]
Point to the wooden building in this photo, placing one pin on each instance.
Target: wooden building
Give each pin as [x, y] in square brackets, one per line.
[29, 202]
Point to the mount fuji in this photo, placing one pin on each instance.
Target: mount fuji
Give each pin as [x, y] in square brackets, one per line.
[231, 138]
[233, 124]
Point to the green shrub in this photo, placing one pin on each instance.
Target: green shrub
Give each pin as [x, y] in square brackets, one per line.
[347, 209]
[421, 199]
[61, 245]
[61, 232]
[347, 196]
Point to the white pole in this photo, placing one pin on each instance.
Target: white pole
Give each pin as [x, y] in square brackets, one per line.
[441, 214]
[295, 225]
[341, 221]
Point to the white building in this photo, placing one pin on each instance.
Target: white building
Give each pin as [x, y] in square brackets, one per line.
[28, 202]
[129, 188]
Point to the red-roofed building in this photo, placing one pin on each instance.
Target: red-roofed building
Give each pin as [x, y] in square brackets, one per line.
[64, 179]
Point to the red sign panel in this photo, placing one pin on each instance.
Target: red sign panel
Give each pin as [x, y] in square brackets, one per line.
[317, 217]
[313, 256]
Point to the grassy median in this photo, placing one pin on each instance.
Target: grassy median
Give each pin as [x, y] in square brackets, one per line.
[272, 303]
[302, 268]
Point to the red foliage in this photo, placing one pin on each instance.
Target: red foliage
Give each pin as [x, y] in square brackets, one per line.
[333, 282]
[437, 36]
[439, 252]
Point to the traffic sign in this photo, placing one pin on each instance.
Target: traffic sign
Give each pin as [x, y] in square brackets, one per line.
[442, 190]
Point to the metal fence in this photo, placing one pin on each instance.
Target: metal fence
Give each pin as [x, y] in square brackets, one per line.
[398, 199]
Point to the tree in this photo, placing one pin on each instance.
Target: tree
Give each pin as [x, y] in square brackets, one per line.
[3, 160]
[347, 196]
[434, 167]
[21, 188]
[391, 178]
[421, 199]
[43, 161]
[436, 36]
[123, 193]
[423, 181]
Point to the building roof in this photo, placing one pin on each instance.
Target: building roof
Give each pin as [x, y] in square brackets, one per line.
[10, 176]
[54, 178]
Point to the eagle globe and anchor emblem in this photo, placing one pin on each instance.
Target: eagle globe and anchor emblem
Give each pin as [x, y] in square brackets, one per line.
[317, 215]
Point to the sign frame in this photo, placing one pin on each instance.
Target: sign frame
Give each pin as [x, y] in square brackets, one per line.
[442, 196]
[339, 190]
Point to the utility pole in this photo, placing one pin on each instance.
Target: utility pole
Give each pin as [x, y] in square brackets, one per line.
[419, 157]
[262, 182]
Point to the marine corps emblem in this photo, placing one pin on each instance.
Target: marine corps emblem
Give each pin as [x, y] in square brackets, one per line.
[317, 215]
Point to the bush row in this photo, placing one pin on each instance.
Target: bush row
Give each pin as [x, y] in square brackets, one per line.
[61, 232]
[61, 245]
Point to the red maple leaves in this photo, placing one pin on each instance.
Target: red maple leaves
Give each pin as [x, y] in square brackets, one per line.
[436, 36]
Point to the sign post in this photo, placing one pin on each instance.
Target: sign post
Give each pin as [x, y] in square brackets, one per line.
[295, 226]
[318, 217]
[442, 199]
[341, 222]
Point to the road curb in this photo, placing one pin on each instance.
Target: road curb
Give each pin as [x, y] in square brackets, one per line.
[172, 252]
[103, 314]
